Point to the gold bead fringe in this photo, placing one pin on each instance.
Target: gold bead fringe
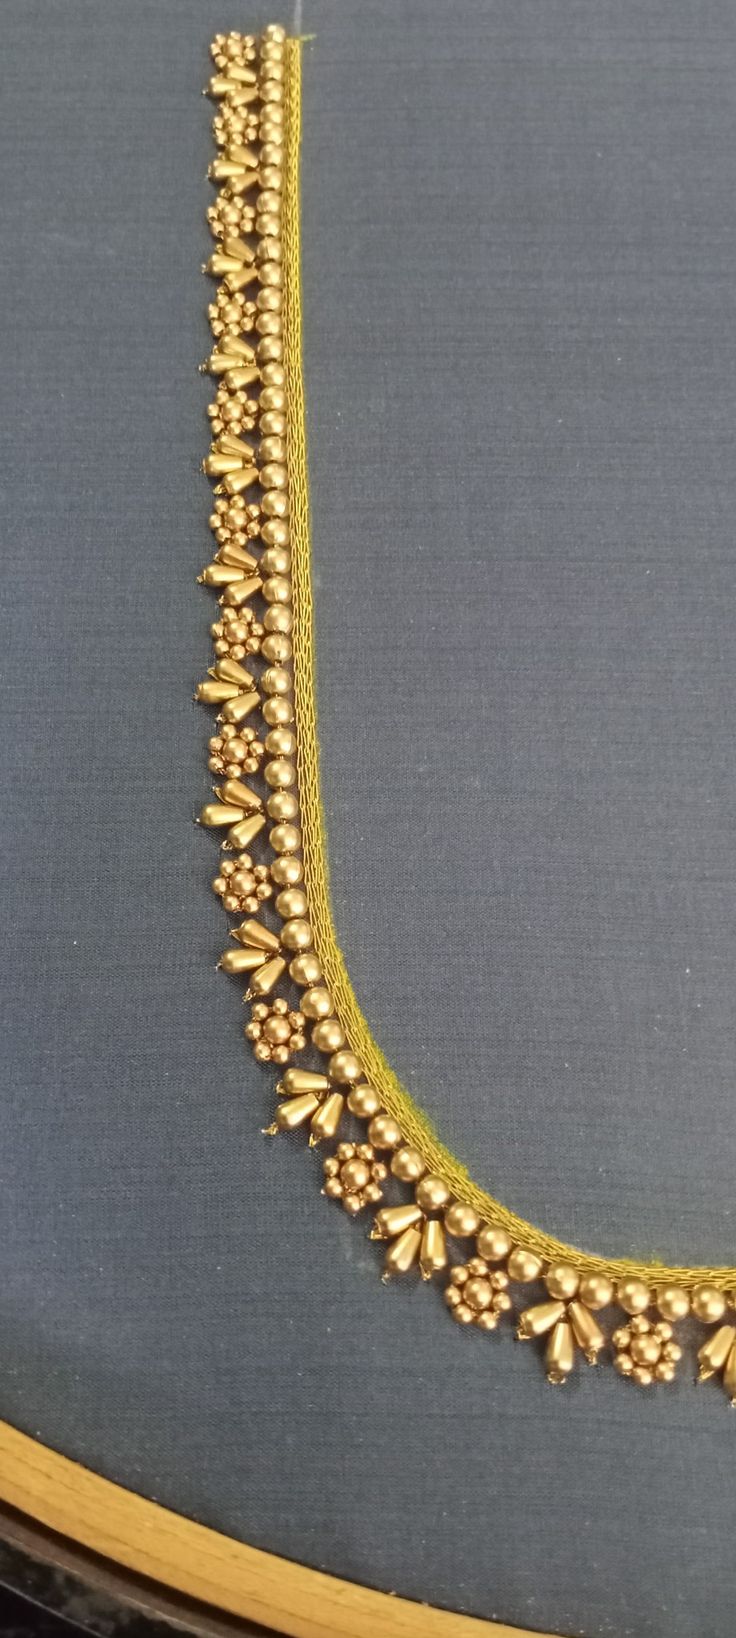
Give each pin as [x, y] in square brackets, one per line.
[382, 1153]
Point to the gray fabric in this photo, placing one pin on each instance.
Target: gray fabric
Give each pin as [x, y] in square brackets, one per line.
[519, 230]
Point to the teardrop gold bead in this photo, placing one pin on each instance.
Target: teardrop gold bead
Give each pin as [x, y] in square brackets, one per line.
[393, 1220]
[218, 265]
[534, 1322]
[294, 1112]
[239, 278]
[241, 376]
[237, 710]
[402, 1254]
[433, 1252]
[238, 249]
[236, 557]
[232, 671]
[241, 590]
[560, 1354]
[221, 574]
[587, 1331]
[244, 831]
[219, 813]
[240, 961]
[253, 932]
[235, 791]
[729, 1375]
[264, 979]
[235, 482]
[221, 86]
[714, 1353]
[327, 1119]
[294, 1081]
[229, 443]
[214, 692]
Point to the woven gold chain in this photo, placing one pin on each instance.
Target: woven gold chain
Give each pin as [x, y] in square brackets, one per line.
[303, 1004]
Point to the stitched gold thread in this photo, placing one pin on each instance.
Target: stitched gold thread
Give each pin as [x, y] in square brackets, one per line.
[396, 1100]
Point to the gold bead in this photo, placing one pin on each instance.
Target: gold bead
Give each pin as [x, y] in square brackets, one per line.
[644, 1349]
[292, 902]
[714, 1353]
[393, 1220]
[240, 961]
[295, 1112]
[433, 1249]
[241, 835]
[673, 1303]
[317, 1002]
[478, 1292]
[384, 1133]
[562, 1280]
[363, 1102]
[303, 1080]
[494, 1244]
[285, 838]
[328, 1035]
[325, 1122]
[432, 1193]
[286, 872]
[460, 1220]
[596, 1291]
[586, 1330]
[642, 1376]
[534, 1322]
[296, 935]
[633, 1295]
[402, 1255]
[523, 1266]
[277, 712]
[560, 1353]
[304, 969]
[279, 774]
[282, 806]
[709, 1304]
[263, 980]
[407, 1165]
[344, 1067]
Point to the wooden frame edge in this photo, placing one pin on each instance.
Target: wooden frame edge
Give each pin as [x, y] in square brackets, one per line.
[175, 1553]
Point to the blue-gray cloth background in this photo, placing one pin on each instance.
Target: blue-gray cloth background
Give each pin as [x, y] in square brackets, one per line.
[519, 228]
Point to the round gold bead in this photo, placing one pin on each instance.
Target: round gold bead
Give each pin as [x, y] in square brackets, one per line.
[596, 1291]
[286, 872]
[276, 560]
[355, 1175]
[562, 1281]
[384, 1133]
[633, 1295]
[273, 374]
[279, 774]
[328, 1035]
[432, 1193]
[276, 680]
[644, 1350]
[281, 742]
[461, 1220]
[276, 648]
[292, 903]
[673, 1303]
[296, 935]
[277, 589]
[709, 1304]
[304, 969]
[494, 1244]
[523, 1266]
[282, 806]
[275, 502]
[478, 1292]
[407, 1165]
[642, 1376]
[344, 1067]
[363, 1102]
[278, 712]
[273, 475]
[285, 838]
[317, 1002]
[463, 1314]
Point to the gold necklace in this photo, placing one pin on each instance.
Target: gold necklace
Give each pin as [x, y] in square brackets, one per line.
[381, 1147]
